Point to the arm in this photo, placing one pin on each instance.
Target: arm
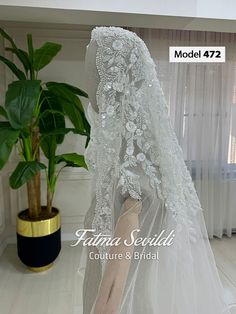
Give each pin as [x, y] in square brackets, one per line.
[113, 283]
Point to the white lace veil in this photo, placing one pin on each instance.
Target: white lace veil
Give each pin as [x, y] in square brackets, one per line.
[132, 136]
[134, 152]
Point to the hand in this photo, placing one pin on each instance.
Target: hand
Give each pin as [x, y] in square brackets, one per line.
[133, 205]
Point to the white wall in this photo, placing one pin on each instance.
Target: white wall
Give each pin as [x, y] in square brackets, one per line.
[208, 15]
[189, 8]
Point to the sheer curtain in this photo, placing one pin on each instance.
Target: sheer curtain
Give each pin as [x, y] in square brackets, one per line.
[202, 107]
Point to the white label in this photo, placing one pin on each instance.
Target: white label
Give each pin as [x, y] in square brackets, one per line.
[197, 54]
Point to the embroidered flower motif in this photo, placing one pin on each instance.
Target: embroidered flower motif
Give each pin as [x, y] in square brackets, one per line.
[131, 127]
[117, 44]
[141, 157]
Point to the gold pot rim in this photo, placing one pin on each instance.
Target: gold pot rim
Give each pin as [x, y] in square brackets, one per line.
[38, 228]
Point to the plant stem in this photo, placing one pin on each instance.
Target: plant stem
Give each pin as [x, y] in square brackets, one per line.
[31, 188]
[32, 199]
[49, 199]
[51, 176]
[51, 184]
[36, 153]
[31, 152]
[27, 148]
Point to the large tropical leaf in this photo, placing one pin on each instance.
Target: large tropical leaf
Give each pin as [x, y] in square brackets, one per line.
[7, 37]
[87, 141]
[64, 131]
[71, 105]
[31, 54]
[75, 90]
[71, 160]
[45, 54]
[22, 55]
[8, 137]
[48, 145]
[18, 73]
[21, 98]
[30, 47]
[5, 124]
[3, 112]
[62, 91]
[51, 116]
[25, 171]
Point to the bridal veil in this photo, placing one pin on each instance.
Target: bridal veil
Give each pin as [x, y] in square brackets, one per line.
[134, 152]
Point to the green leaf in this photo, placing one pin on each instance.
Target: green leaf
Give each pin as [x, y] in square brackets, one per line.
[51, 111]
[18, 73]
[75, 90]
[71, 160]
[64, 131]
[71, 105]
[51, 115]
[48, 145]
[22, 56]
[25, 171]
[45, 54]
[31, 55]
[3, 112]
[30, 47]
[21, 99]
[7, 37]
[52, 121]
[74, 115]
[63, 92]
[8, 137]
[87, 141]
[5, 124]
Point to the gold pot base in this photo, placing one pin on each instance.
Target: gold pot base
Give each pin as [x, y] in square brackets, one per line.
[40, 269]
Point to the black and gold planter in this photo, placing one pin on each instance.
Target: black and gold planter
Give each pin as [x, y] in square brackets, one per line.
[38, 242]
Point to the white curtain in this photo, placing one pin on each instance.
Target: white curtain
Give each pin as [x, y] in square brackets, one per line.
[202, 107]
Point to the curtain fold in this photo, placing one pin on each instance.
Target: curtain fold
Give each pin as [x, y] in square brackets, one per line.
[202, 105]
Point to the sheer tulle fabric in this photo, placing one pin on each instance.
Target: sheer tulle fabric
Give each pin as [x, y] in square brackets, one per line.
[134, 152]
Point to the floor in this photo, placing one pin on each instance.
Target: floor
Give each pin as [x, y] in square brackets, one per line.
[225, 255]
[58, 291]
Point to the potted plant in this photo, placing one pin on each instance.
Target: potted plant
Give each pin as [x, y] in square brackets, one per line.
[34, 121]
